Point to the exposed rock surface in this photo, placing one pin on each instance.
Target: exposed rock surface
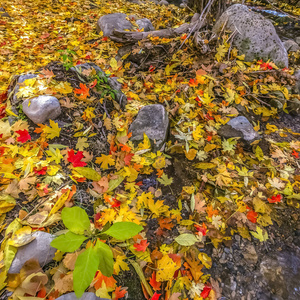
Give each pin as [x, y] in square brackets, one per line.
[297, 76]
[291, 46]
[41, 109]
[145, 23]
[276, 269]
[15, 88]
[255, 36]
[85, 296]
[239, 127]
[297, 39]
[163, 2]
[154, 122]
[39, 249]
[111, 22]
[112, 81]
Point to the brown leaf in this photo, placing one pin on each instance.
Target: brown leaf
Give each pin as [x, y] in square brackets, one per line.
[65, 284]
[70, 259]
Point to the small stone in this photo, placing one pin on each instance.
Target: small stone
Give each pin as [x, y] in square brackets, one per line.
[146, 24]
[16, 88]
[239, 127]
[85, 296]
[111, 22]
[39, 249]
[250, 254]
[291, 46]
[163, 2]
[154, 122]
[41, 109]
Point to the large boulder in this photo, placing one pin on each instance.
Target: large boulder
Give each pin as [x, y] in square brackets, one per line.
[239, 127]
[41, 109]
[291, 46]
[255, 36]
[39, 249]
[154, 122]
[111, 22]
[145, 24]
[85, 296]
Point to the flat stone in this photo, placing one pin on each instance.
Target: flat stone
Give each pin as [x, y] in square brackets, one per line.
[41, 109]
[85, 296]
[111, 22]
[154, 122]
[39, 249]
[145, 23]
[291, 46]
[255, 36]
[239, 127]
[16, 88]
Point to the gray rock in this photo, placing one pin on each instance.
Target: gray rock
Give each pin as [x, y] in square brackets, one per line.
[145, 23]
[39, 249]
[250, 254]
[291, 46]
[163, 2]
[239, 127]
[41, 109]
[15, 88]
[281, 271]
[112, 81]
[297, 40]
[111, 22]
[85, 296]
[297, 76]
[5, 14]
[255, 36]
[154, 122]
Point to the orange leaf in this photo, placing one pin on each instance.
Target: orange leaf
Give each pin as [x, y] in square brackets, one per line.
[118, 293]
[83, 91]
[155, 284]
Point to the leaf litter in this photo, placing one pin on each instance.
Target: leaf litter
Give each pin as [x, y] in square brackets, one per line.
[168, 207]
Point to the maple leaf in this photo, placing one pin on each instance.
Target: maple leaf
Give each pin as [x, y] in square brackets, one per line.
[275, 199]
[46, 73]
[119, 293]
[75, 159]
[166, 223]
[217, 221]
[166, 268]
[81, 143]
[276, 183]
[205, 293]
[120, 264]
[24, 136]
[142, 246]
[252, 216]
[165, 180]
[83, 91]
[105, 161]
[259, 234]
[155, 296]
[54, 155]
[155, 284]
[67, 103]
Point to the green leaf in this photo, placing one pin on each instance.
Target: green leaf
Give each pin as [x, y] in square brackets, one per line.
[85, 268]
[68, 242]
[114, 183]
[186, 239]
[123, 230]
[260, 234]
[165, 180]
[88, 173]
[106, 265]
[75, 219]
[259, 153]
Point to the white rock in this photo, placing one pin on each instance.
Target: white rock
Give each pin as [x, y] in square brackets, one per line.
[85, 296]
[39, 249]
[255, 36]
[41, 109]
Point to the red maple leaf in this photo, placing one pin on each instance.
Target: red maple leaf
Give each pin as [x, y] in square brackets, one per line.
[155, 296]
[252, 216]
[75, 159]
[23, 136]
[202, 229]
[128, 158]
[155, 284]
[295, 153]
[205, 293]
[83, 91]
[42, 171]
[142, 246]
[118, 293]
[275, 199]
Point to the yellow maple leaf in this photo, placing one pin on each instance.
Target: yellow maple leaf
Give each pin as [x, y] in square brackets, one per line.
[105, 161]
[120, 264]
[166, 269]
[52, 131]
[81, 144]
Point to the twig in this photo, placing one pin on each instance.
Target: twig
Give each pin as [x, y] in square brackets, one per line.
[282, 11]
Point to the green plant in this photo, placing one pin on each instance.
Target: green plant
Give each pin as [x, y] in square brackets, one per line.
[67, 58]
[103, 85]
[96, 257]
